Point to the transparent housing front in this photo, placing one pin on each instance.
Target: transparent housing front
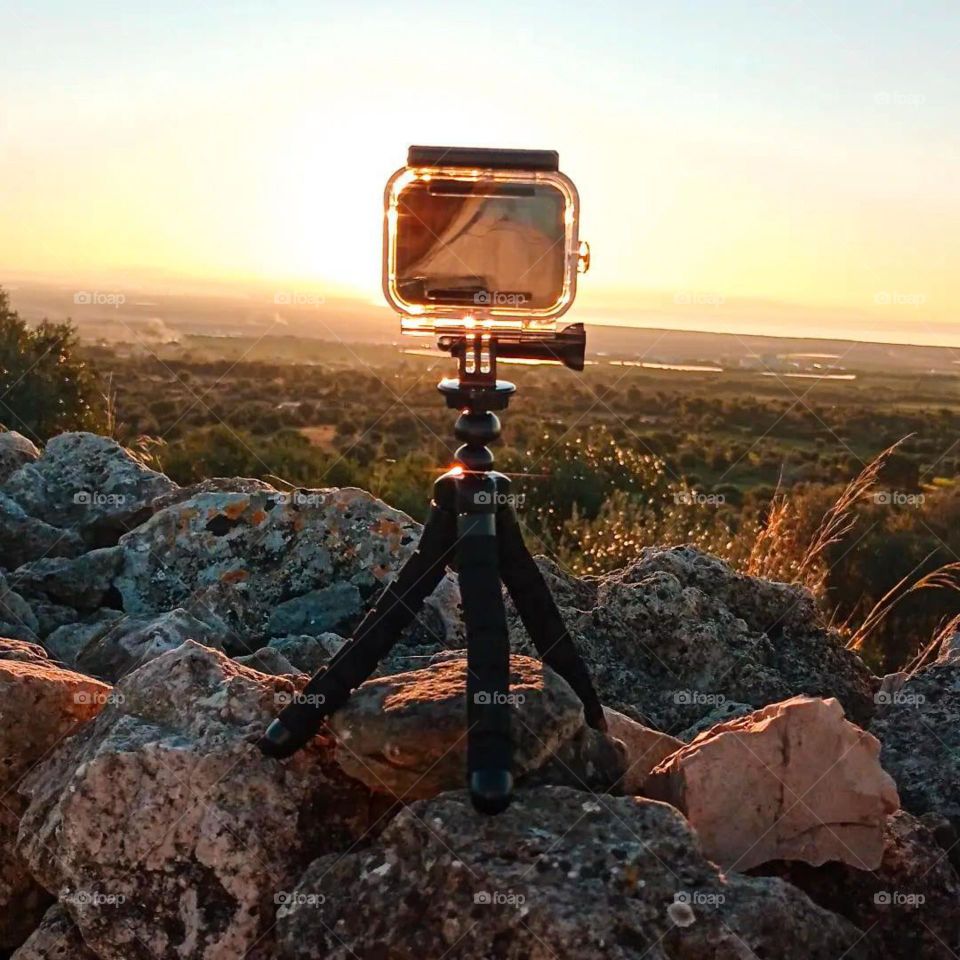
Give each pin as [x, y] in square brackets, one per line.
[467, 249]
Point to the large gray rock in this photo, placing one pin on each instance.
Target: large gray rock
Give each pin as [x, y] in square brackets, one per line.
[319, 558]
[24, 538]
[918, 726]
[308, 654]
[405, 734]
[40, 706]
[84, 583]
[559, 874]
[15, 451]
[87, 483]
[164, 805]
[679, 633]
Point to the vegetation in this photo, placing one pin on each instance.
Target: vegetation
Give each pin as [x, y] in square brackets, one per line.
[45, 387]
[848, 487]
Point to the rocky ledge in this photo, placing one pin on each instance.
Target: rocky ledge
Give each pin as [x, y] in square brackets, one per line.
[746, 802]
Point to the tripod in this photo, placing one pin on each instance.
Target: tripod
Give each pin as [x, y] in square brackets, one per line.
[473, 526]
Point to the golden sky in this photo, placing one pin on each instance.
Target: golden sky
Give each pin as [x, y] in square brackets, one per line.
[791, 167]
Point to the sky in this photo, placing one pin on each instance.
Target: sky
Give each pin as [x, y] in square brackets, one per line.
[770, 167]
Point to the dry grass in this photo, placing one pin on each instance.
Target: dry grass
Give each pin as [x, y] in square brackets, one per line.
[923, 657]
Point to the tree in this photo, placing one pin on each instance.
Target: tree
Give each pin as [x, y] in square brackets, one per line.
[45, 388]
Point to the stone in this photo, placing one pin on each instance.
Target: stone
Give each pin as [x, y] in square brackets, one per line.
[40, 706]
[316, 612]
[793, 781]
[24, 538]
[165, 805]
[405, 734]
[679, 633]
[559, 874]
[645, 748]
[908, 908]
[128, 643]
[919, 727]
[17, 619]
[85, 583]
[89, 484]
[725, 711]
[268, 660]
[15, 451]
[241, 555]
[308, 654]
[55, 939]
[67, 642]
[21, 650]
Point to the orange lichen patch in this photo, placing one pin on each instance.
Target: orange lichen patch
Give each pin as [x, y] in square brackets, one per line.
[185, 517]
[234, 576]
[385, 527]
[235, 510]
[257, 517]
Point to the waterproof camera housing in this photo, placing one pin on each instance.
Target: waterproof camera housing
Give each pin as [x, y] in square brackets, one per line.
[481, 240]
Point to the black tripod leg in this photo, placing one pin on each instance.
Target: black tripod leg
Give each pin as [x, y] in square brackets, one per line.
[539, 613]
[489, 747]
[330, 688]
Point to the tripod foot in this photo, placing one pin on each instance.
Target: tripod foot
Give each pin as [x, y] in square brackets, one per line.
[491, 790]
[280, 742]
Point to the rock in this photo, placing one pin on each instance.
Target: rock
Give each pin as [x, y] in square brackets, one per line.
[307, 654]
[919, 729]
[129, 643]
[20, 650]
[164, 805]
[793, 781]
[55, 939]
[40, 705]
[241, 555]
[909, 907]
[84, 583]
[316, 612]
[15, 451]
[726, 711]
[405, 734]
[645, 748]
[268, 660]
[559, 874]
[66, 643]
[90, 484]
[17, 619]
[24, 538]
[678, 633]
